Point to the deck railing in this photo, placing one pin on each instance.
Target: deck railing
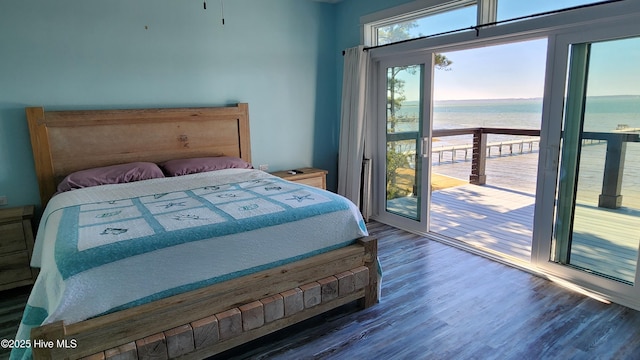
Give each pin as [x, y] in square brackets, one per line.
[616, 140]
[499, 146]
[610, 196]
[480, 148]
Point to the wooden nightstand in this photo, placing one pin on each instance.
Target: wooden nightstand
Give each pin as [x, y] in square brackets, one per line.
[308, 176]
[16, 245]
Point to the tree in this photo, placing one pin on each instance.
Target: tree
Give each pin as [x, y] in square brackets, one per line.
[441, 62]
[396, 32]
[402, 31]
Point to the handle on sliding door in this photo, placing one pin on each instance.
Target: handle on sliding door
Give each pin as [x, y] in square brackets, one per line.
[424, 147]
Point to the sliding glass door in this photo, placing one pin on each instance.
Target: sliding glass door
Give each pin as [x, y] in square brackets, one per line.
[595, 236]
[586, 206]
[403, 138]
[598, 213]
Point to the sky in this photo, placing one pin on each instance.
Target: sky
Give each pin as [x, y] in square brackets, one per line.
[517, 70]
[496, 72]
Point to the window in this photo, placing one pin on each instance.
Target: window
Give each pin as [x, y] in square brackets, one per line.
[436, 21]
[442, 18]
[404, 23]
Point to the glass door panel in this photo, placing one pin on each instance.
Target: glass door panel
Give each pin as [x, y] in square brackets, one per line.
[598, 207]
[403, 133]
[404, 122]
[486, 125]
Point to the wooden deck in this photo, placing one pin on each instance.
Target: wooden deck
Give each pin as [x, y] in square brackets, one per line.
[497, 217]
[500, 221]
[606, 240]
[486, 217]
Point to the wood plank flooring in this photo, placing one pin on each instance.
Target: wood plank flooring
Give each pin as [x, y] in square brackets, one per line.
[439, 302]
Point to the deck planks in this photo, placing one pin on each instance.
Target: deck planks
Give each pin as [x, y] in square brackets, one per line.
[500, 220]
[487, 217]
[598, 245]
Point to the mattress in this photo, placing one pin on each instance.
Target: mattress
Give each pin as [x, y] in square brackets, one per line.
[111, 247]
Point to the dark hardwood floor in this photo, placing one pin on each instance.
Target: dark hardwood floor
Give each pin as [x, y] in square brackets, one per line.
[439, 302]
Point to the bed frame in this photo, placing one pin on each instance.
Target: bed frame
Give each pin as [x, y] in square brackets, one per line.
[209, 320]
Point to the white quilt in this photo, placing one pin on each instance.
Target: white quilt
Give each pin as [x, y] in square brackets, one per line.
[110, 247]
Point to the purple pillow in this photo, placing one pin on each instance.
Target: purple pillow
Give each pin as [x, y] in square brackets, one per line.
[115, 174]
[196, 165]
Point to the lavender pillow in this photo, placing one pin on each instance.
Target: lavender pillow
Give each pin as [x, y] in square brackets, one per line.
[115, 174]
[196, 165]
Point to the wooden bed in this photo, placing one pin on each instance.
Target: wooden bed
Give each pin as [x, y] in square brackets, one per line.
[209, 320]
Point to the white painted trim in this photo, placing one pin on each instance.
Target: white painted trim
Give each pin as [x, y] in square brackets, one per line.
[549, 155]
[559, 23]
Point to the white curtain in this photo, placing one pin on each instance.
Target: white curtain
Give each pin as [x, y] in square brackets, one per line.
[353, 124]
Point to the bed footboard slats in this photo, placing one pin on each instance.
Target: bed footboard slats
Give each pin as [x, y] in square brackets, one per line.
[216, 318]
[230, 328]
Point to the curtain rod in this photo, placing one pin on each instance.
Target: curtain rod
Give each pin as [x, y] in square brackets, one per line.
[478, 27]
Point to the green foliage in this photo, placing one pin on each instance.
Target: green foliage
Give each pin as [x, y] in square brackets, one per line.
[395, 160]
[442, 62]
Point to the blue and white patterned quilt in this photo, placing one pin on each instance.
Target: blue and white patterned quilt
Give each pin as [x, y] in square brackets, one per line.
[106, 248]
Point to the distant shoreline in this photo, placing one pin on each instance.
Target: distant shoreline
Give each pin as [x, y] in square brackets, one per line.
[444, 101]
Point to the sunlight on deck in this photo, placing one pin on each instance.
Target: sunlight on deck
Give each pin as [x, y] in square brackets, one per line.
[498, 217]
[500, 220]
[486, 217]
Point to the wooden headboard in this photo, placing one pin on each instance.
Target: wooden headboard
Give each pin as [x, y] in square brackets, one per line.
[68, 141]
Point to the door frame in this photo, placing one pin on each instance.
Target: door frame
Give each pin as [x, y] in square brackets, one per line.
[380, 67]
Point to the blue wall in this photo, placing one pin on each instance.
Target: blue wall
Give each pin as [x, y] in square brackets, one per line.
[280, 56]
[277, 55]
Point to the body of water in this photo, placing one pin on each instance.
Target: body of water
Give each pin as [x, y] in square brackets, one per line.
[602, 114]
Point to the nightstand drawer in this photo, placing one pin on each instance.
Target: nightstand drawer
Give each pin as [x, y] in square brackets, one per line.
[16, 245]
[14, 267]
[308, 176]
[13, 238]
[315, 181]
